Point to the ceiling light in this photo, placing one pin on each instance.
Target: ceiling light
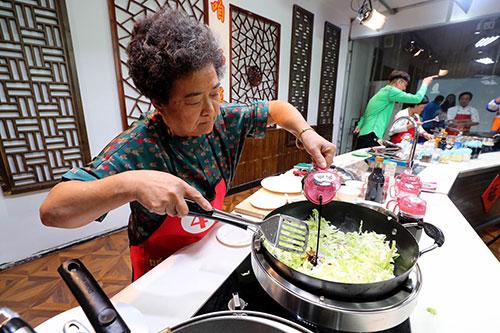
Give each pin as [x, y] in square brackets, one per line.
[486, 41]
[477, 32]
[369, 17]
[418, 52]
[485, 61]
[479, 52]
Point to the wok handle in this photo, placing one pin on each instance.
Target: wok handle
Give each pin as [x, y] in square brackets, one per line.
[430, 230]
[12, 323]
[101, 314]
[219, 215]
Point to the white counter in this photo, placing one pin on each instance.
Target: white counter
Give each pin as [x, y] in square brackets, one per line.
[461, 280]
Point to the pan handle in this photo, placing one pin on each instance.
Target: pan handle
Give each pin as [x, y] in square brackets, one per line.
[221, 216]
[430, 230]
[94, 302]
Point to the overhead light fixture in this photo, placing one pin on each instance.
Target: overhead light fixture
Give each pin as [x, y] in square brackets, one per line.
[486, 41]
[477, 32]
[485, 61]
[418, 52]
[369, 17]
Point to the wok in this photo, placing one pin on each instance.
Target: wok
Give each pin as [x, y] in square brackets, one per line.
[347, 218]
[105, 319]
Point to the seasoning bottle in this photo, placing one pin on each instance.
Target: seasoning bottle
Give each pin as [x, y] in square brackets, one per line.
[375, 183]
[443, 143]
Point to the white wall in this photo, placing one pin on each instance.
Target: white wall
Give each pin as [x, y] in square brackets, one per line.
[22, 234]
[357, 89]
[280, 11]
[427, 15]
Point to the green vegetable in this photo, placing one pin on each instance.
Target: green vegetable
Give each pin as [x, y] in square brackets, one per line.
[432, 311]
[352, 257]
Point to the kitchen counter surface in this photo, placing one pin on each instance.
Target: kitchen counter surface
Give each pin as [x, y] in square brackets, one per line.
[460, 280]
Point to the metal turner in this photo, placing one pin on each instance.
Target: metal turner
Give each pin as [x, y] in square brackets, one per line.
[282, 231]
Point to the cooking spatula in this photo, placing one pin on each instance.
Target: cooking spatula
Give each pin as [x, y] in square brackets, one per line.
[282, 231]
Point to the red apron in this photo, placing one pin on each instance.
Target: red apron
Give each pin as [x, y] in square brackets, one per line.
[459, 117]
[398, 137]
[173, 234]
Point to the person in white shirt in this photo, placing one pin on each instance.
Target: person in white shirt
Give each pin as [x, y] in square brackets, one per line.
[400, 129]
[462, 117]
[494, 106]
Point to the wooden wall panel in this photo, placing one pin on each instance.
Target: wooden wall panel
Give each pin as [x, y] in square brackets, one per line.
[267, 157]
[42, 128]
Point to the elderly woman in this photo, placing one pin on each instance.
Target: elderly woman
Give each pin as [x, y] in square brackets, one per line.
[400, 129]
[188, 147]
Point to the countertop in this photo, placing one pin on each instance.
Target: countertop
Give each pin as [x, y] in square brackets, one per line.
[460, 279]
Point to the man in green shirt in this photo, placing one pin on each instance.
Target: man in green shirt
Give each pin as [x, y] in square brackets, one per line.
[374, 121]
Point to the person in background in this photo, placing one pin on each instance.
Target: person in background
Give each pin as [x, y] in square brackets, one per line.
[463, 116]
[449, 102]
[374, 121]
[432, 110]
[494, 106]
[187, 147]
[400, 128]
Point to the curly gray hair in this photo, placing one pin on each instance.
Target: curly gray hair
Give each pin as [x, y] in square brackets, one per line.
[166, 46]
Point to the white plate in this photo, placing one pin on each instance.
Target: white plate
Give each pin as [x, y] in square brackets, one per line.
[282, 184]
[267, 201]
[234, 236]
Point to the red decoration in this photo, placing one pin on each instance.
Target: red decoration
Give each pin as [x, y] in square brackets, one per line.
[492, 194]
[218, 6]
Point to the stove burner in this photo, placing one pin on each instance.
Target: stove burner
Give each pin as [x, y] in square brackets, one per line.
[244, 282]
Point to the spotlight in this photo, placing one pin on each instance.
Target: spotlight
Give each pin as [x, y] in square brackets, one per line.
[418, 52]
[369, 17]
[485, 61]
[486, 41]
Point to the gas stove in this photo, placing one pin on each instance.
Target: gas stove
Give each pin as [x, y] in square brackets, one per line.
[243, 287]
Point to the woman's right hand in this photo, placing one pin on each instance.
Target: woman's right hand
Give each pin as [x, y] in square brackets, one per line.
[428, 80]
[162, 193]
[356, 131]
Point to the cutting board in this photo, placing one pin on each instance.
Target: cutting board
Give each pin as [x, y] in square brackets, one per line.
[246, 208]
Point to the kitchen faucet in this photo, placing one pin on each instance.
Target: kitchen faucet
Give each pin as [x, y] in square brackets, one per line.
[411, 157]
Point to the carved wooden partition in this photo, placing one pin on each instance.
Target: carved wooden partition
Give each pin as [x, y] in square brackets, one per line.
[300, 61]
[266, 157]
[328, 82]
[255, 53]
[123, 15]
[42, 129]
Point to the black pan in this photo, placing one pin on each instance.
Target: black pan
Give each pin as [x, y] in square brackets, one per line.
[104, 317]
[347, 218]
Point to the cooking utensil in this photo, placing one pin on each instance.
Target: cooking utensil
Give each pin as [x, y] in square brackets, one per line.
[348, 217]
[90, 296]
[99, 310]
[284, 232]
[436, 118]
[11, 322]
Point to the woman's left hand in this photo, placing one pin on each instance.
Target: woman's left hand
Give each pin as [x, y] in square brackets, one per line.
[321, 150]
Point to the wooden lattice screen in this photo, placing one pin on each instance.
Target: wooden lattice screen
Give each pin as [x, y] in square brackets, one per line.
[328, 82]
[42, 129]
[123, 14]
[300, 61]
[255, 53]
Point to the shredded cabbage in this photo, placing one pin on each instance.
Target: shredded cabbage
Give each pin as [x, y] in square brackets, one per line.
[352, 257]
